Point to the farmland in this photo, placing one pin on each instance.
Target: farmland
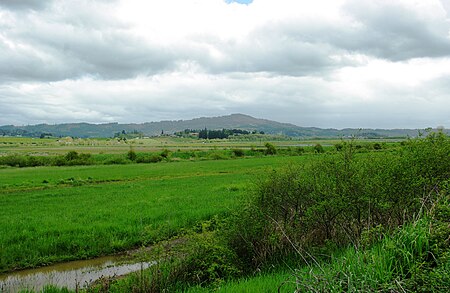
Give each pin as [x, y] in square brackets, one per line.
[217, 196]
[51, 214]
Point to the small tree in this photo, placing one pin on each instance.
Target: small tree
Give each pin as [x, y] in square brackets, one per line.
[377, 146]
[131, 155]
[238, 152]
[318, 148]
[165, 153]
[270, 149]
[72, 155]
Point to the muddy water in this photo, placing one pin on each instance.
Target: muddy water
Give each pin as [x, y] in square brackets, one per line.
[75, 274]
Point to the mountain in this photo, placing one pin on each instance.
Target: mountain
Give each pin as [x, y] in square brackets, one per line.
[234, 121]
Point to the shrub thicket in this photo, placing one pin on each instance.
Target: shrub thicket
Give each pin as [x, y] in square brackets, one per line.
[337, 197]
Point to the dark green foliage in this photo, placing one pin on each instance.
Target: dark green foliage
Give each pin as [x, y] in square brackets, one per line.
[238, 152]
[116, 160]
[148, 158]
[200, 260]
[165, 153]
[377, 146]
[131, 155]
[300, 150]
[70, 156]
[270, 149]
[214, 134]
[209, 262]
[218, 155]
[318, 148]
[337, 197]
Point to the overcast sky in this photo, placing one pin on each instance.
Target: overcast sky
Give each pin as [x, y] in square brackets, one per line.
[324, 63]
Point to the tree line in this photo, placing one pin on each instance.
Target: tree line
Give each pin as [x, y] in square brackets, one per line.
[215, 134]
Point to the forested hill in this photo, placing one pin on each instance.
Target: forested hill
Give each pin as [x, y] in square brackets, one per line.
[234, 121]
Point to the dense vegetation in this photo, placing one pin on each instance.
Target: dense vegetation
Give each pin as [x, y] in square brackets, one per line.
[349, 217]
[347, 222]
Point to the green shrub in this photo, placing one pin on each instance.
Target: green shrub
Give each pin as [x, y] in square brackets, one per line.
[238, 152]
[165, 154]
[217, 155]
[337, 197]
[318, 148]
[377, 146]
[270, 149]
[131, 155]
[149, 158]
[339, 147]
[72, 155]
[115, 160]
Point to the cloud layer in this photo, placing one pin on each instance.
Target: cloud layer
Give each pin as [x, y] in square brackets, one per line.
[328, 64]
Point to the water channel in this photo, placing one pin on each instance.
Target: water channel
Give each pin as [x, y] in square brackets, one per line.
[72, 275]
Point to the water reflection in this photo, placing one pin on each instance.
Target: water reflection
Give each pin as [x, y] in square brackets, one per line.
[71, 274]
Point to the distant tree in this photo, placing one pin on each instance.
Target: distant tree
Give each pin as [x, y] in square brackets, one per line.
[131, 155]
[45, 134]
[72, 155]
[377, 146]
[339, 146]
[238, 152]
[165, 153]
[318, 148]
[270, 149]
[203, 134]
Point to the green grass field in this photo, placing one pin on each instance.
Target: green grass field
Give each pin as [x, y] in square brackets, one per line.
[53, 214]
[51, 146]
[111, 204]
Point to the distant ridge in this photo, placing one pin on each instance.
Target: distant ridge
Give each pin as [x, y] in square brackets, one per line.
[233, 121]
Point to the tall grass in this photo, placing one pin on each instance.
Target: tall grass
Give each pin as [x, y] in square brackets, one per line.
[412, 258]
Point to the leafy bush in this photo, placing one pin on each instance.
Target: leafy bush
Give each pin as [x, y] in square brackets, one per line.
[238, 152]
[131, 155]
[377, 146]
[70, 159]
[337, 197]
[270, 149]
[70, 156]
[339, 147]
[165, 153]
[115, 160]
[318, 148]
[149, 158]
[217, 155]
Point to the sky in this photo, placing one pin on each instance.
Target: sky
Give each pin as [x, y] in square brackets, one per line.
[322, 63]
